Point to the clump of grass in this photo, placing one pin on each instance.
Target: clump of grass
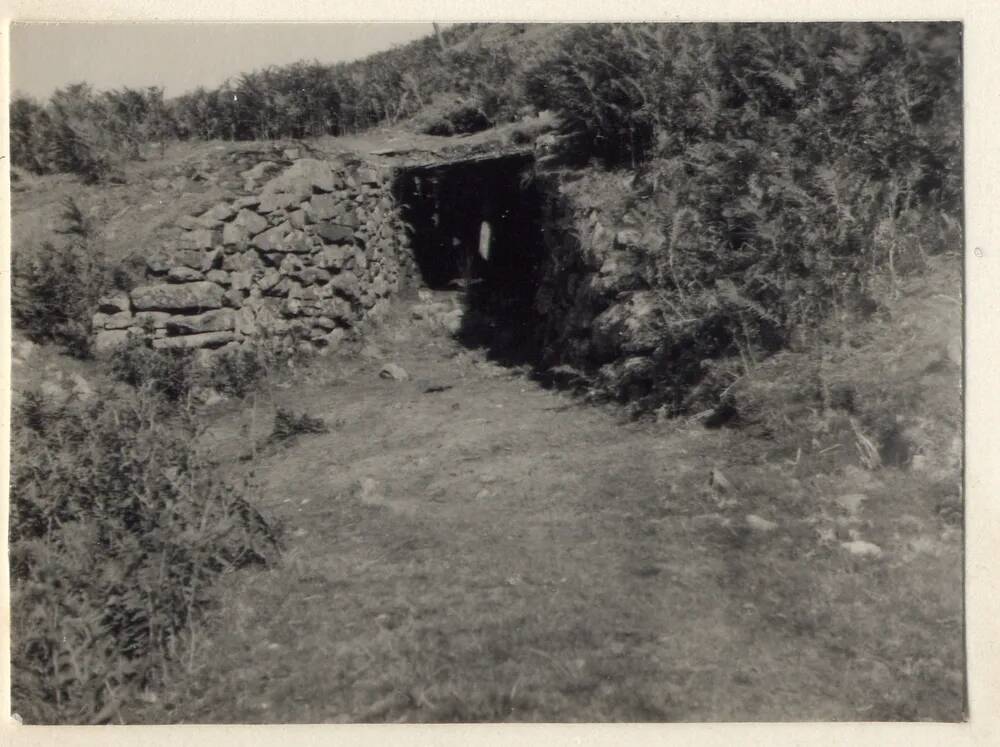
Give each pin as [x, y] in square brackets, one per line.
[288, 425]
[119, 529]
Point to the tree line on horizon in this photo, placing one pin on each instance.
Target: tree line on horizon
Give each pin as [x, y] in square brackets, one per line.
[81, 130]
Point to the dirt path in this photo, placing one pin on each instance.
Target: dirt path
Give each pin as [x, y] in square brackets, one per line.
[492, 550]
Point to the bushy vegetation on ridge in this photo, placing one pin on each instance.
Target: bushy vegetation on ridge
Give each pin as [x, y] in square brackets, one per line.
[79, 130]
[789, 170]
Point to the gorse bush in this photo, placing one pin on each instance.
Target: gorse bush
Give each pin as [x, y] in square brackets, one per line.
[56, 287]
[118, 529]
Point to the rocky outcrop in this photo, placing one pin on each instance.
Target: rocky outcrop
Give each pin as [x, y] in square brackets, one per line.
[315, 252]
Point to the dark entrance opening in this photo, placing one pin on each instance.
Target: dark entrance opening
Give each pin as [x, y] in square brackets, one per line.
[477, 231]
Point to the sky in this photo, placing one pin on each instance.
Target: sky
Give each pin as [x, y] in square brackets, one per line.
[181, 56]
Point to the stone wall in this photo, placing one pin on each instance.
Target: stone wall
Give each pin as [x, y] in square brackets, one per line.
[597, 301]
[305, 259]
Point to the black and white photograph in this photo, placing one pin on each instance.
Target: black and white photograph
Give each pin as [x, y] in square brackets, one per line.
[494, 372]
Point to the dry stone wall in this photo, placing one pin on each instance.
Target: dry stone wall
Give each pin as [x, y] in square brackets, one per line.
[597, 300]
[316, 252]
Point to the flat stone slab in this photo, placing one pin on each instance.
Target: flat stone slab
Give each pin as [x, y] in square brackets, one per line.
[332, 233]
[203, 340]
[180, 296]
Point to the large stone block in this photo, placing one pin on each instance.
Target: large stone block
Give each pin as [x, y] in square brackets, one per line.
[246, 202]
[324, 322]
[242, 261]
[347, 217]
[308, 293]
[114, 302]
[280, 288]
[234, 234]
[346, 284]
[220, 212]
[322, 207]
[241, 280]
[234, 298]
[182, 274]
[313, 173]
[311, 275]
[182, 296]
[367, 175]
[271, 201]
[333, 233]
[269, 240]
[202, 340]
[188, 258]
[296, 242]
[252, 222]
[246, 322]
[269, 279]
[211, 260]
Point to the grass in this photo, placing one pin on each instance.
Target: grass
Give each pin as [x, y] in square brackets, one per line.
[528, 558]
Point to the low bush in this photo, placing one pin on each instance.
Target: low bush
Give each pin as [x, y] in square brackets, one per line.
[179, 375]
[170, 372]
[236, 373]
[119, 528]
[288, 425]
[56, 287]
[453, 116]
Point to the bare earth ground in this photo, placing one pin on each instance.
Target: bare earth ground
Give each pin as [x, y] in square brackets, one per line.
[499, 551]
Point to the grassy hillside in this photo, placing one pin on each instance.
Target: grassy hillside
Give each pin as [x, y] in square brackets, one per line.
[756, 227]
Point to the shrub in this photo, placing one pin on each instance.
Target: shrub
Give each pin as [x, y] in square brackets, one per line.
[791, 171]
[119, 528]
[56, 288]
[453, 116]
[170, 372]
[237, 372]
[288, 425]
